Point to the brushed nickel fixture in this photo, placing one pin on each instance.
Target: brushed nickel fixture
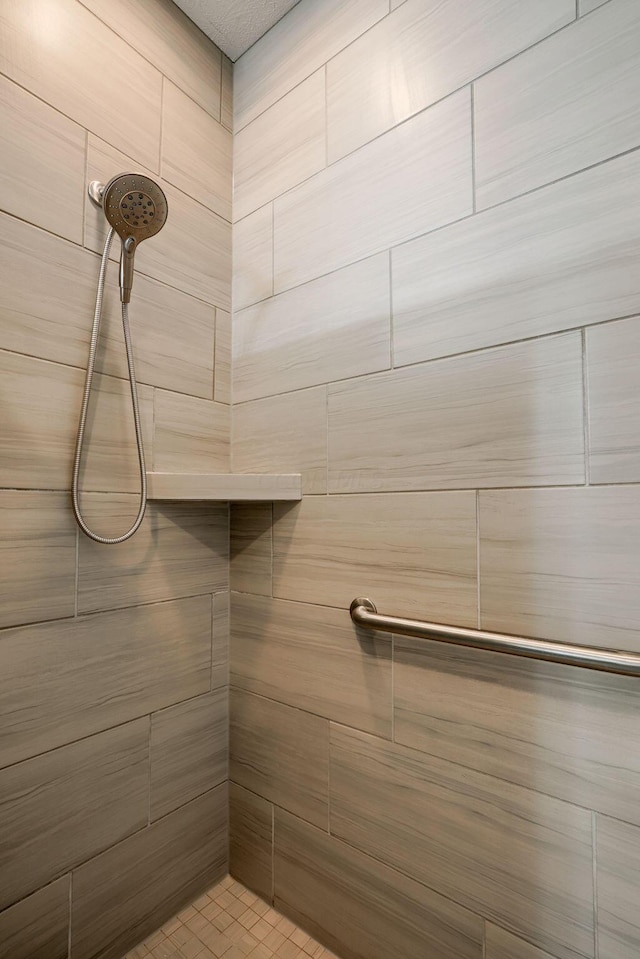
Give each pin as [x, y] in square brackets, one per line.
[364, 613]
[136, 209]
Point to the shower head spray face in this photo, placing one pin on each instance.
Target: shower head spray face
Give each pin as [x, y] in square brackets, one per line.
[136, 208]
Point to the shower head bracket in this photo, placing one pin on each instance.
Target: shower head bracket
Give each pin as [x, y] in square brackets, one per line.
[96, 192]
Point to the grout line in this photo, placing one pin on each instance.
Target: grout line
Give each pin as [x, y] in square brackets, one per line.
[70, 911]
[326, 118]
[37, 226]
[85, 194]
[149, 775]
[273, 853]
[474, 201]
[594, 863]
[391, 329]
[161, 131]
[221, 80]
[154, 395]
[273, 522]
[478, 557]
[326, 442]
[273, 249]
[213, 370]
[586, 425]
[393, 688]
[213, 639]
[328, 723]
[77, 573]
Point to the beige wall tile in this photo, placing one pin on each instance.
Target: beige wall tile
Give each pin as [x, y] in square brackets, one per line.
[191, 253]
[413, 179]
[422, 53]
[310, 34]
[312, 658]
[368, 910]
[110, 454]
[251, 547]
[117, 666]
[178, 551]
[226, 93]
[284, 434]
[173, 336]
[189, 750]
[38, 927]
[547, 262]
[334, 327]
[617, 855]
[70, 59]
[568, 103]
[162, 33]
[503, 945]
[562, 564]
[38, 431]
[43, 163]
[512, 855]
[65, 806]
[220, 640]
[160, 870]
[34, 527]
[49, 314]
[407, 552]
[190, 435]
[280, 753]
[556, 729]
[251, 841]
[45, 313]
[282, 147]
[196, 151]
[586, 6]
[41, 404]
[505, 417]
[222, 371]
[253, 258]
[613, 352]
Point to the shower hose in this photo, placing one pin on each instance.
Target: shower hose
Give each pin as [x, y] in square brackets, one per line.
[108, 540]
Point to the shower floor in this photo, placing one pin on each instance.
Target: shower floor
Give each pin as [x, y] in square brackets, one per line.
[229, 922]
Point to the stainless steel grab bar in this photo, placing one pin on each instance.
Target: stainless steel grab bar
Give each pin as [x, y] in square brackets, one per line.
[364, 613]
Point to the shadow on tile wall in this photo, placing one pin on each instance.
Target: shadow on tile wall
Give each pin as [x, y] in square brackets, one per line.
[113, 660]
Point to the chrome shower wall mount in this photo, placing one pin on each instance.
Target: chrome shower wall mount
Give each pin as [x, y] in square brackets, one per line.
[136, 209]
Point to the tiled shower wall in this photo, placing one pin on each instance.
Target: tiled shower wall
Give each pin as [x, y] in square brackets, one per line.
[436, 279]
[113, 698]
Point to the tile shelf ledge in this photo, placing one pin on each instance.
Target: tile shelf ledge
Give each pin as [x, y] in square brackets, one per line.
[225, 487]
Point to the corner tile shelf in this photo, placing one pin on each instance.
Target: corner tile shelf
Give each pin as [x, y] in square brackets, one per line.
[224, 487]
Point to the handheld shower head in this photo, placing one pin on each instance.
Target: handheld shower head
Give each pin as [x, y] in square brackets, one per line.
[136, 208]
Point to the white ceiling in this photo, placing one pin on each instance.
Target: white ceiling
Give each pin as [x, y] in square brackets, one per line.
[235, 24]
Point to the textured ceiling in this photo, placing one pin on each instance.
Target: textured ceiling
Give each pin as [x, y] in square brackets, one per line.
[235, 24]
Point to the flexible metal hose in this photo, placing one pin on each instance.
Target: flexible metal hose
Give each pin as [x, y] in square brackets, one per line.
[108, 540]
